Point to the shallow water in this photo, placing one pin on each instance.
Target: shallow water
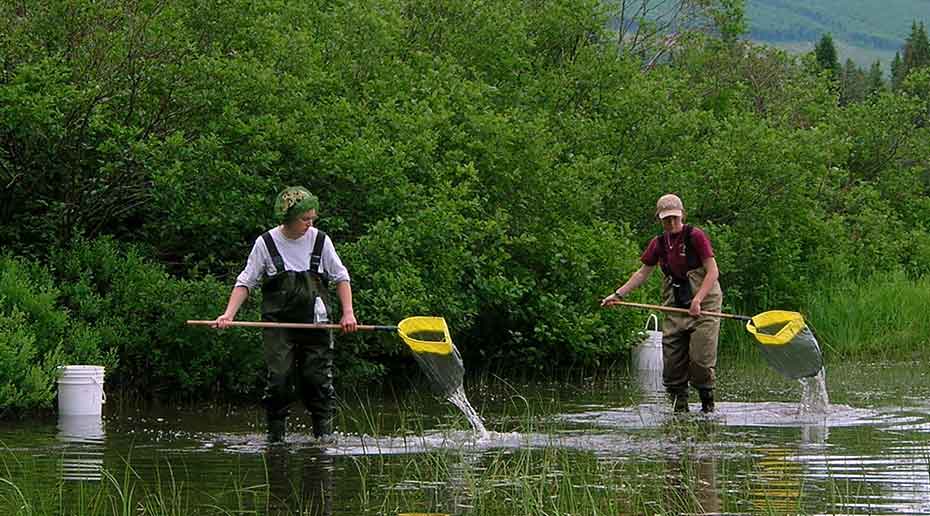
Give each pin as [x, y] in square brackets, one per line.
[607, 446]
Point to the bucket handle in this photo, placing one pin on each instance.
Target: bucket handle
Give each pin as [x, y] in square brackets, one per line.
[655, 322]
[103, 393]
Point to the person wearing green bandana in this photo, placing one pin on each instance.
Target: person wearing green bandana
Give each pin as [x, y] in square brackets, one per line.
[293, 264]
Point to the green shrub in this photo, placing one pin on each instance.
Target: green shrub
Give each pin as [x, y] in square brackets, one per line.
[496, 165]
[37, 335]
[140, 311]
[28, 380]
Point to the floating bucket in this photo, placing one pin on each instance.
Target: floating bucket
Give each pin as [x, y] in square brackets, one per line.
[648, 358]
[648, 354]
[80, 390]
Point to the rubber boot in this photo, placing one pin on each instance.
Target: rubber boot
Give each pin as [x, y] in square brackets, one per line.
[707, 400]
[277, 430]
[679, 400]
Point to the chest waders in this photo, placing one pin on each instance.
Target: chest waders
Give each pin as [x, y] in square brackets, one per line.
[297, 358]
[689, 344]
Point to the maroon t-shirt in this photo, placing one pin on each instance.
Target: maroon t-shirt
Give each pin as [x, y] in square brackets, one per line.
[672, 247]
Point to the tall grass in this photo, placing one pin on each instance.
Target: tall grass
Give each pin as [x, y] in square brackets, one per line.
[883, 316]
[534, 482]
[121, 491]
[554, 481]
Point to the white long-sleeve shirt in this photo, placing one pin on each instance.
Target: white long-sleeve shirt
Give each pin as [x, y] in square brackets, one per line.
[296, 257]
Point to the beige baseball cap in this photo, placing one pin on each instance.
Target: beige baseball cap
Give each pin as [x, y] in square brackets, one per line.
[669, 205]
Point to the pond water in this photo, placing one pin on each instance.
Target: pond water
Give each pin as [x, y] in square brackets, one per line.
[597, 446]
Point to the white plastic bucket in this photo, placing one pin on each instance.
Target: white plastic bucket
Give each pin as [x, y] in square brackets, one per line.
[648, 354]
[80, 390]
[648, 358]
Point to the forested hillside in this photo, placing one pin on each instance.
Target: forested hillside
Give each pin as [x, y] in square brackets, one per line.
[864, 30]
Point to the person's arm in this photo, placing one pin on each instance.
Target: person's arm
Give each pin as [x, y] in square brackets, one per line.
[238, 296]
[344, 292]
[248, 279]
[636, 279]
[332, 268]
[710, 277]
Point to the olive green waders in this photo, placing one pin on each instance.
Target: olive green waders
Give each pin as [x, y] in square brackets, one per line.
[296, 358]
[689, 345]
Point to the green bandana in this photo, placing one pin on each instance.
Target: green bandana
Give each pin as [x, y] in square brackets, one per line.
[293, 201]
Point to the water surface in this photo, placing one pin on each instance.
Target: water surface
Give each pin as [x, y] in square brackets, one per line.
[604, 445]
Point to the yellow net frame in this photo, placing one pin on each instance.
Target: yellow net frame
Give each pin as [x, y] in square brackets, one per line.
[791, 325]
[423, 324]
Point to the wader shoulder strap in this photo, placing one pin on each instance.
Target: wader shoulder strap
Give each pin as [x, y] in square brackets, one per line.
[317, 253]
[273, 251]
[694, 261]
[663, 255]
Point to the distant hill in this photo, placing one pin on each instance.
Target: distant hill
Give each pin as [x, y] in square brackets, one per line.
[863, 30]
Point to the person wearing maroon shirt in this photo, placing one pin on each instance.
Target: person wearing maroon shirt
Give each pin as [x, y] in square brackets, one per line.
[689, 341]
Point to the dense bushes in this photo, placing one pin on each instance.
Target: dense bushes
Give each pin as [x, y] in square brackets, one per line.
[98, 304]
[140, 312]
[37, 335]
[493, 163]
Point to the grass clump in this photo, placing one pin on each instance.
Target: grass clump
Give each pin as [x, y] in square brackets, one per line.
[885, 315]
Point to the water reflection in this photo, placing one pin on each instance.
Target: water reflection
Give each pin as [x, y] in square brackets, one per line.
[83, 439]
[692, 486]
[300, 482]
[776, 482]
[869, 452]
[691, 473]
[815, 434]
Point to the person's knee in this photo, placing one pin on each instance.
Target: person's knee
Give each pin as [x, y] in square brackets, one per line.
[315, 377]
[318, 395]
[703, 351]
[702, 377]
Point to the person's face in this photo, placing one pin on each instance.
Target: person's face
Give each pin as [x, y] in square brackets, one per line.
[302, 223]
[672, 224]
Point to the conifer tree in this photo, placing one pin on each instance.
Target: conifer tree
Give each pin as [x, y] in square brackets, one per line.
[852, 83]
[914, 55]
[897, 71]
[875, 81]
[827, 59]
[920, 46]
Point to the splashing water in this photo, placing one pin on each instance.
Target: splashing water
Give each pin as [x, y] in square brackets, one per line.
[458, 398]
[447, 372]
[814, 399]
